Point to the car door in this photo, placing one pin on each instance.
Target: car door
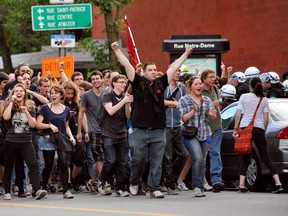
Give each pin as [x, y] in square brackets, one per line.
[230, 159]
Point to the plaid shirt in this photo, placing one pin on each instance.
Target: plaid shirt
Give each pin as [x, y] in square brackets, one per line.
[185, 105]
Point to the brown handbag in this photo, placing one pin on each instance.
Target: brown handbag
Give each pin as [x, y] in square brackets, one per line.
[243, 142]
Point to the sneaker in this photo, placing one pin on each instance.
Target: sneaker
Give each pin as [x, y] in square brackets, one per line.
[218, 187]
[91, 186]
[198, 192]
[171, 191]
[156, 194]
[121, 193]
[68, 195]
[52, 188]
[243, 190]
[163, 189]
[27, 193]
[278, 189]
[40, 194]
[104, 188]
[7, 196]
[133, 189]
[2, 191]
[181, 186]
[207, 187]
[14, 190]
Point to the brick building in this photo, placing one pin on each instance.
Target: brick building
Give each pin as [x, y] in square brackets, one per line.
[256, 29]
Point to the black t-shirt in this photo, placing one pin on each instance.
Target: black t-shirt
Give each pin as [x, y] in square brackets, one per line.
[114, 126]
[276, 91]
[147, 112]
[73, 122]
[18, 129]
[242, 88]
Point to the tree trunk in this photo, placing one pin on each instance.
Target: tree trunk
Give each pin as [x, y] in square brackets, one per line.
[111, 35]
[5, 52]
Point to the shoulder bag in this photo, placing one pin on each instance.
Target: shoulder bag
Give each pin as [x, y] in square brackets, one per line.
[243, 141]
[189, 132]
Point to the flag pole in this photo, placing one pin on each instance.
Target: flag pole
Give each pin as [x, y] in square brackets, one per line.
[130, 32]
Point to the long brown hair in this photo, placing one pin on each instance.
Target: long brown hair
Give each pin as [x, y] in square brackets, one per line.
[28, 103]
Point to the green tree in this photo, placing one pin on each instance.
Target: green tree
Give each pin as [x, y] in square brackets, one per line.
[16, 34]
[112, 12]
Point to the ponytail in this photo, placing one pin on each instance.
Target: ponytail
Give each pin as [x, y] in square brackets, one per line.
[257, 86]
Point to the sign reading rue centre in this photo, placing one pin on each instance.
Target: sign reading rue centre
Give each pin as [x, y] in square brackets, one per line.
[57, 17]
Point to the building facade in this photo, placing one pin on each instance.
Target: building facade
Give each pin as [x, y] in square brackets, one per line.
[256, 29]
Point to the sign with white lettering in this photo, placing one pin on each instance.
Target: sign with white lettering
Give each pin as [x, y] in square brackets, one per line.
[61, 1]
[57, 17]
[67, 41]
[199, 46]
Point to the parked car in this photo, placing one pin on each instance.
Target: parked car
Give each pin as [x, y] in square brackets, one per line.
[277, 138]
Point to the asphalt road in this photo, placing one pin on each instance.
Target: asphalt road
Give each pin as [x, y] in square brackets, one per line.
[214, 204]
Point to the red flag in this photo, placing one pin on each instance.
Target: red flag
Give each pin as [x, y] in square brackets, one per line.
[131, 47]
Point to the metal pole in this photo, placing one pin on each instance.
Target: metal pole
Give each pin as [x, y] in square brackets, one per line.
[62, 49]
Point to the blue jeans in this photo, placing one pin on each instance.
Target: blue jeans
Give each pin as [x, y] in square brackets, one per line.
[198, 150]
[90, 159]
[115, 160]
[215, 157]
[147, 144]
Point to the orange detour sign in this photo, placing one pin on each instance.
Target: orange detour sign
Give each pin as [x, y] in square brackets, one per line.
[52, 65]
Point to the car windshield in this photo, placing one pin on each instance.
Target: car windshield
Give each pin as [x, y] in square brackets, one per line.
[278, 110]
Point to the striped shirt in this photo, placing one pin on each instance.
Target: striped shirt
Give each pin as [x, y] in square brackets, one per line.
[186, 104]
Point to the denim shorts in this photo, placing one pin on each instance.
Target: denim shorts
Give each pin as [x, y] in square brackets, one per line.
[45, 144]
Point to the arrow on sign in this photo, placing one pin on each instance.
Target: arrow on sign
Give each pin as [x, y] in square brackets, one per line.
[41, 24]
[40, 10]
[40, 18]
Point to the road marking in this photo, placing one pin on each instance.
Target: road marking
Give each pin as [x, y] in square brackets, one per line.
[86, 209]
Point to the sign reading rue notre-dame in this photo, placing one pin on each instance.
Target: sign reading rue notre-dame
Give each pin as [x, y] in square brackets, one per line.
[57, 17]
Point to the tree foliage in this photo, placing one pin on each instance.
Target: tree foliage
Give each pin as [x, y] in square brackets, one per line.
[112, 12]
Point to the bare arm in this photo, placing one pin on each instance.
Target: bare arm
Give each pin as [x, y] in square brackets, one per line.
[82, 110]
[8, 111]
[31, 120]
[85, 127]
[39, 97]
[113, 109]
[40, 125]
[130, 71]
[189, 115]
[237, 118]
[128, 110]
[177, 64]
[69, 133]
[266, 118]
[62, 72]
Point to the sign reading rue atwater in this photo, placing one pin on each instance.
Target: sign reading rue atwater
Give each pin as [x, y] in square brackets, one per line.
[57, 17]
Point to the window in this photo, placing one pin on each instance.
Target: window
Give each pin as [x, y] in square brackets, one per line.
[228, 117]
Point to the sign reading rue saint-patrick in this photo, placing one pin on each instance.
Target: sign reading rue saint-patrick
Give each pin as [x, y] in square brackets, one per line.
[57, 17]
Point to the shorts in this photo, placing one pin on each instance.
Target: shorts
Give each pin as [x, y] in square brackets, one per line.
[97, 146]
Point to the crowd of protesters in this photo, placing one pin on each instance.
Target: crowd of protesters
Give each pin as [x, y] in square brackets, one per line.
[118, 134]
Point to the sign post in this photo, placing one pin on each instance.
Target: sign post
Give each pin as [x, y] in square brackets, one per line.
[60, 17]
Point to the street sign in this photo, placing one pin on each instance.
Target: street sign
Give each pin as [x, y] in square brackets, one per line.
[57, 17]
[61, 1]
[66, 41]
[52, 65]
